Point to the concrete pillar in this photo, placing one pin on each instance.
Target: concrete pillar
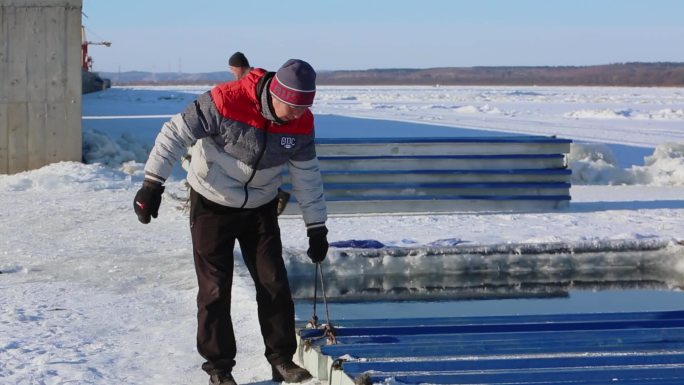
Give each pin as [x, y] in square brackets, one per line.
[40, 83]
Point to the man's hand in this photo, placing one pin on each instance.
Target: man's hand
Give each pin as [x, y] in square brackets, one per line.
[147, 201]
[318, 244]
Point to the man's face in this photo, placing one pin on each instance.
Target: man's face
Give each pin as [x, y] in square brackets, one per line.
[238, 72]
[287, 112]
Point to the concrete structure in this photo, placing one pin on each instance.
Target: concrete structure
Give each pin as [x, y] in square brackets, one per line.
[40, 83]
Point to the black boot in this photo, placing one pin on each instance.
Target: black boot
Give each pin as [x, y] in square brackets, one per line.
[221, 377]
[289, 372]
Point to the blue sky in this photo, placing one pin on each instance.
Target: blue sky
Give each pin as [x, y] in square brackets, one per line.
[200, 35]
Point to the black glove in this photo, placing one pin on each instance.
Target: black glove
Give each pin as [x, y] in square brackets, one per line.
[318, 244]
[147, 201]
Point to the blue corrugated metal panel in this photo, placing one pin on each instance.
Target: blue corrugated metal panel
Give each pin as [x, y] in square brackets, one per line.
[483, 139]
[446, 198]
[601, 348]
[443, 174]
[577, 362]
[617, 375]
[514, 327]
[518, 319]
[463, 185]
[433, 157]
[558, 171]
[531, 339]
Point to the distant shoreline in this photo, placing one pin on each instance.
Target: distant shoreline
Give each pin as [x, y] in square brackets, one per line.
[664, 74]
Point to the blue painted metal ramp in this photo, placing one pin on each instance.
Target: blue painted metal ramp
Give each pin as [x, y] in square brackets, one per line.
[601, 348]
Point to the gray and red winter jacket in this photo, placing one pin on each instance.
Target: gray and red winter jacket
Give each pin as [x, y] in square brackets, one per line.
[240, 150]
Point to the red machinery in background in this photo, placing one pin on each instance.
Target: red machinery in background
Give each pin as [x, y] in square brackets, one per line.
[87, 60]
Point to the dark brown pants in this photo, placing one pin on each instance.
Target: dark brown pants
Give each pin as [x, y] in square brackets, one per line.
[214, 229]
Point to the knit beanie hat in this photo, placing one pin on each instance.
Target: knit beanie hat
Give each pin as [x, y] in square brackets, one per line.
[295, 83]
[238, 59]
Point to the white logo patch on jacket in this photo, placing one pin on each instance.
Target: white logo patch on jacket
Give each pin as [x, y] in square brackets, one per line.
[287, 142]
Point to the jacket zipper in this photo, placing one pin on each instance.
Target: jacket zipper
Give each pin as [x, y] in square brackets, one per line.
[256, 165]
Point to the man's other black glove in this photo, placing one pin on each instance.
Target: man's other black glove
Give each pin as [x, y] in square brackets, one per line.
[318, 243]
[147, 201]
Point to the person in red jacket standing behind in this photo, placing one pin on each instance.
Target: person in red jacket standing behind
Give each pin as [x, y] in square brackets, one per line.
[243, 134]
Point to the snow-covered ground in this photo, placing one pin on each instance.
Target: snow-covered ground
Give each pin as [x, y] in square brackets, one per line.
[91, 296]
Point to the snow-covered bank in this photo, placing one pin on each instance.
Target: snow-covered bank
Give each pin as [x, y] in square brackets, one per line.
[91, 296]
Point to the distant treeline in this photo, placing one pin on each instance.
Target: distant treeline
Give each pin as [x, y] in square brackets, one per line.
[622, 74]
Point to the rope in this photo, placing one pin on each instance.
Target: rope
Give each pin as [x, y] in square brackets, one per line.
[328, 329]
[313, 322]
[337, 365]
[325, 298]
